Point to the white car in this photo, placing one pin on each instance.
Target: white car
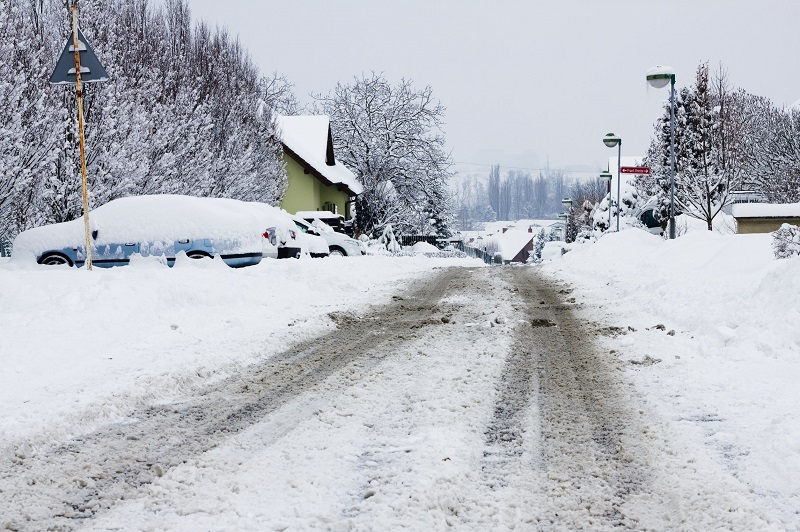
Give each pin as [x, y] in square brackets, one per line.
[339, 244]
[280, 238]
[311, 242]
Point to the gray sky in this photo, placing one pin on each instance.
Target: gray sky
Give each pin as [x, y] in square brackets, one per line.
[525, 82]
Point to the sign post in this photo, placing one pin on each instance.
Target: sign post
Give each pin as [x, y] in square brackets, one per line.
[640, 170]
[90, 71]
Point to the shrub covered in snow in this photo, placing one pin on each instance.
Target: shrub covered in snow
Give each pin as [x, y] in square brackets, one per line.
[388, 241]
[786, 241]
[631, 204]
[538, 245]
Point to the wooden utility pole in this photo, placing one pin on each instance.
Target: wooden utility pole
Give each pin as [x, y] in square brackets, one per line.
[79, 93]
[77, 51]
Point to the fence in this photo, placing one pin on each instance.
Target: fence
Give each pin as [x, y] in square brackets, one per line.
[5, 248]
[410, 240]
[476, 253]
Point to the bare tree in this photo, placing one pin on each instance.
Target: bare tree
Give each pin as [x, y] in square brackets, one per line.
[391, 136]
[278, 94]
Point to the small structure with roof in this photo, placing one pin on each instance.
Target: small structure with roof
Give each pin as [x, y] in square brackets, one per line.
[764, 217]
[317, 181]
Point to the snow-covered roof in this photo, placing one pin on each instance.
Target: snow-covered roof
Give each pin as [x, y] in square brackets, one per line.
[512, 241]
[766, 210]
[322, 215]
[308, 137]
[519, 224]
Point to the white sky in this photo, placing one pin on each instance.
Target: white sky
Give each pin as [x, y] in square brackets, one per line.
[524, 81]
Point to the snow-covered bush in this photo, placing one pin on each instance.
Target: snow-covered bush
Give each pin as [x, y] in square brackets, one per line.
[632, 202]
[786, 241]
[388, 240]
[538, 245]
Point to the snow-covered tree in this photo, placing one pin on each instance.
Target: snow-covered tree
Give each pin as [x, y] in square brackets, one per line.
[772, 155]
[709, 137]
[538, 246]
[180, 113]
[390, 135]
[786, 241]
[277, 93]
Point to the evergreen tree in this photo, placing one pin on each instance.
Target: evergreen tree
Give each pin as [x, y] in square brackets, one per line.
[707, 151]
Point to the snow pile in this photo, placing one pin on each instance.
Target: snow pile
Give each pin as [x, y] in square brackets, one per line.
[424, 247]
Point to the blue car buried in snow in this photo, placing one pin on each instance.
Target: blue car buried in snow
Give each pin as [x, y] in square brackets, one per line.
[161, 226]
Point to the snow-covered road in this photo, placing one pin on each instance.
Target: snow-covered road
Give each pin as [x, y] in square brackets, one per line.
[476, 399]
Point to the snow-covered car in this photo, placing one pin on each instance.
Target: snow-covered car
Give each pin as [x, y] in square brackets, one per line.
[312, 243]
[333, 220]
[339, 244]
[280, 234]
[647, 215]
[158, 225]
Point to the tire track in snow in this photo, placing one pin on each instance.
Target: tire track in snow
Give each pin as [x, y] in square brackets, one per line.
[587, 430]
[603, 462]
[63, 487]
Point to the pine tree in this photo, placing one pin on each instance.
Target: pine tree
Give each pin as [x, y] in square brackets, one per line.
[707, 151]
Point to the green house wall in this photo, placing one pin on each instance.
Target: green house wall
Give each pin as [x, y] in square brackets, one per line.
[307, 193]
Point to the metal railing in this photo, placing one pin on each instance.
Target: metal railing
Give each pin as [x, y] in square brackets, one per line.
[410, 240]
[476, 253]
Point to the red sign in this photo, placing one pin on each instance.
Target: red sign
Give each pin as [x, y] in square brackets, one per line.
[635, 170]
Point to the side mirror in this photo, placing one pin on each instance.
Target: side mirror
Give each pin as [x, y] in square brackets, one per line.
[94, 234]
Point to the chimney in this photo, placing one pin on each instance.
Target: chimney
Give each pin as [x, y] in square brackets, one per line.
[530, 229]
[505, 229]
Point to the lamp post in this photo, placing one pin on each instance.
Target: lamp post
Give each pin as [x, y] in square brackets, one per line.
[658, 77]
[611, 140]
[567, 203]
[606, 176]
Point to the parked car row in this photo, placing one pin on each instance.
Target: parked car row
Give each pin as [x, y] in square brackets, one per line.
[240, 233]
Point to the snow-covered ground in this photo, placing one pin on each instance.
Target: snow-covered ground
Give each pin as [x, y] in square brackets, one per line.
[709, 325]
[706, 327]
[80, 347]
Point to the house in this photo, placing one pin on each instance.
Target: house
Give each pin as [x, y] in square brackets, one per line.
[513, 241]
[515, 245]
[316, 180]
[764, 217]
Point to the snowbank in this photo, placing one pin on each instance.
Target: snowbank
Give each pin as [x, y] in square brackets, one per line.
[81, 347]
[707, 326]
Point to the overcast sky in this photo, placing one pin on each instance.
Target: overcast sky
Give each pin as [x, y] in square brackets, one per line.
[526, 81]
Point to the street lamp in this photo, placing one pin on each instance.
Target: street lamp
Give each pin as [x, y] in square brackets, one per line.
[567, 203]
[611, 140]
[606, 176]
[658, 77]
